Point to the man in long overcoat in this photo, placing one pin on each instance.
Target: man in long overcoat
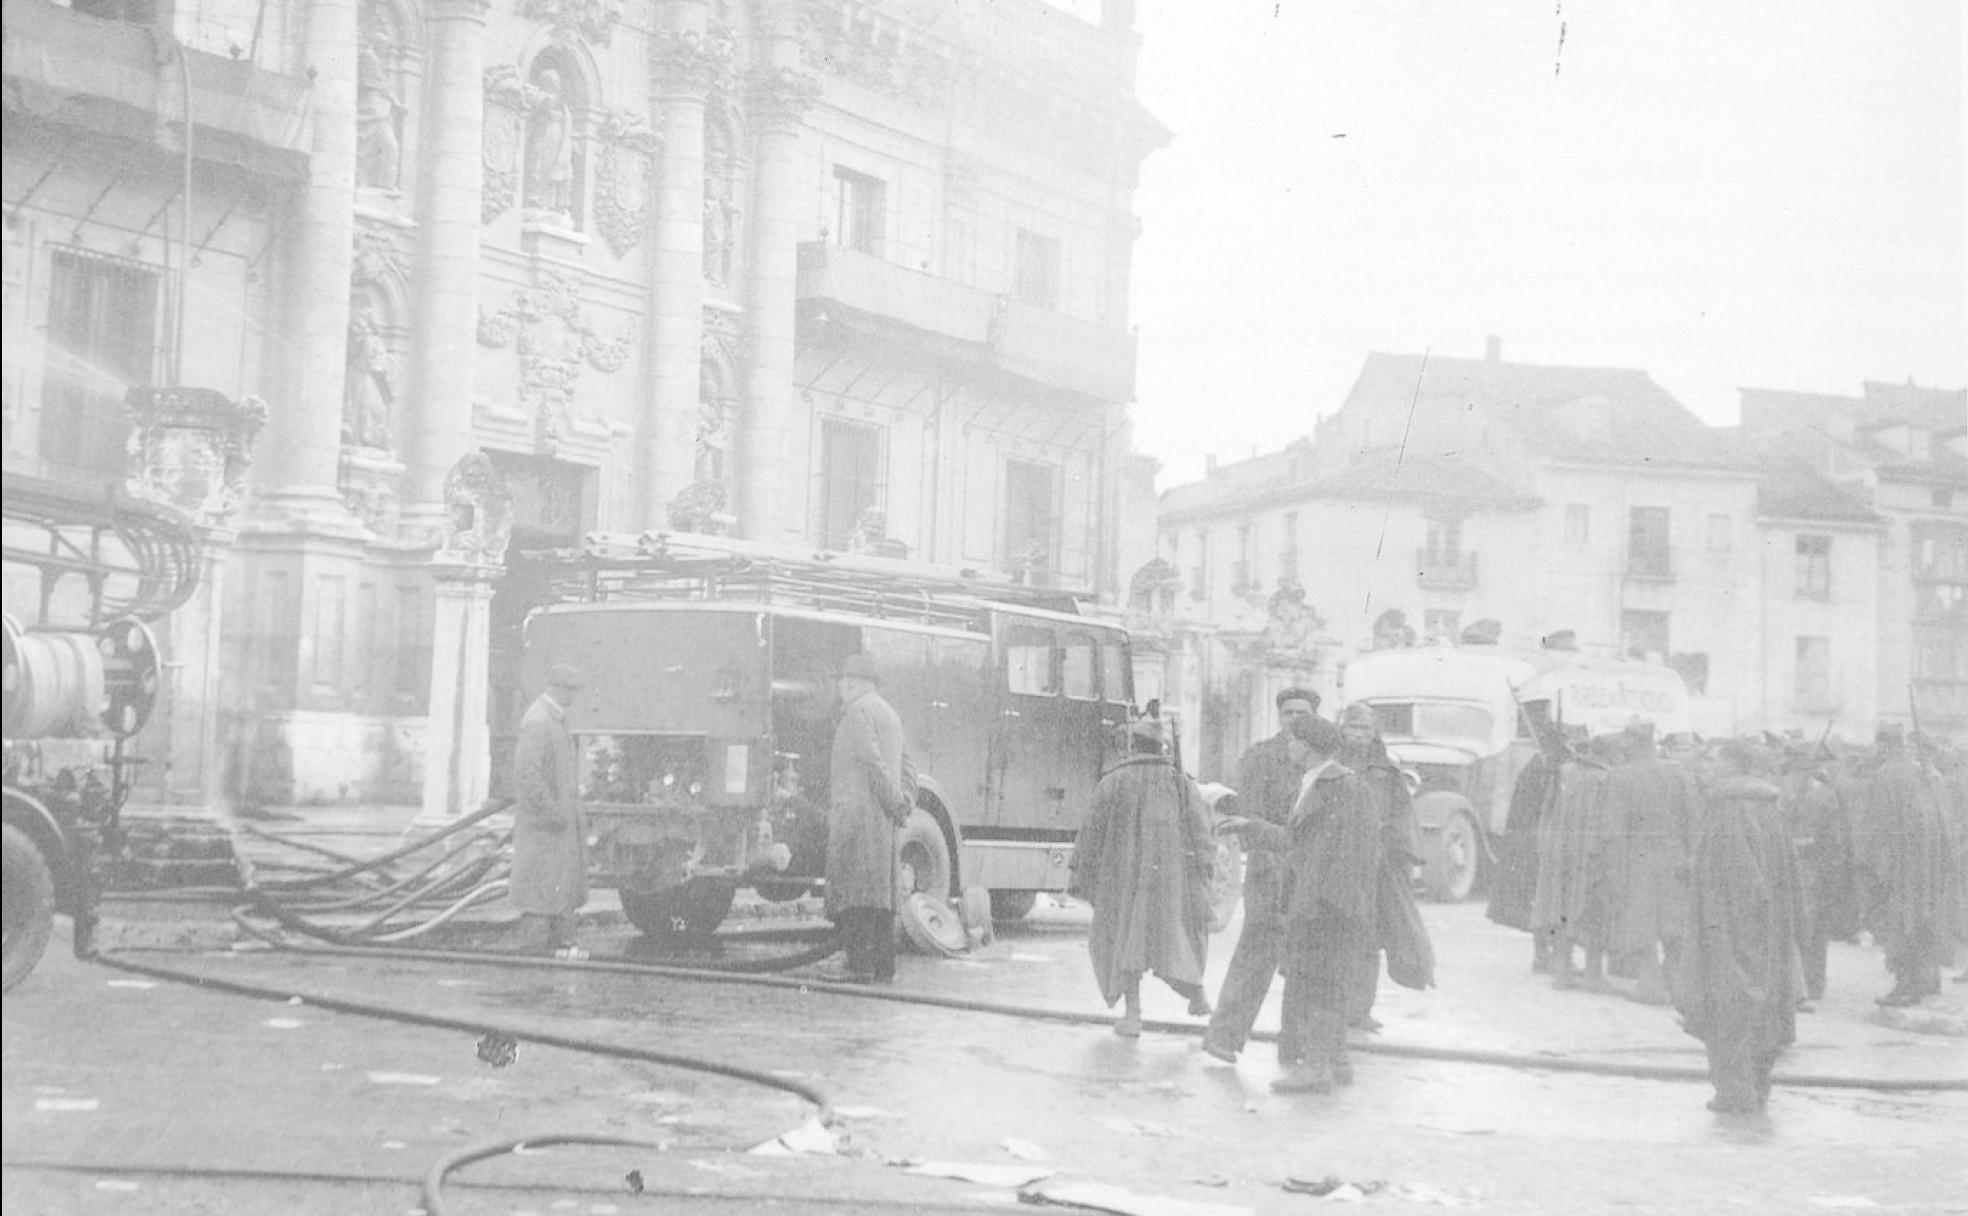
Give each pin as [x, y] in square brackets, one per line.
[550, 836]
[1905, 846]
[1395, 927]
[1267, 787]
[1514, 890]
[869, 799]
[1821, 837]
[1331, 846]
[1653, 805]
[1573, 886]
[1144, 860]
[1734, 982]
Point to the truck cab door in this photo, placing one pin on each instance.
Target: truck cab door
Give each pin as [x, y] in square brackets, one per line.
[1031, 786]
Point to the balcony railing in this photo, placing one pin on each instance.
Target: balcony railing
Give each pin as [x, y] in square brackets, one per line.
[1454, 571]
[1037, 344]
[1653, 565]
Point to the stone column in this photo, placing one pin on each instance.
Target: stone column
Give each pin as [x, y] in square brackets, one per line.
[450, 184]
[457, 740]
[684, 65]
[196, 655]
[302, 450]
[781, 95]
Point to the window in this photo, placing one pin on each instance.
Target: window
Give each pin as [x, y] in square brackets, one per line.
[1079, 658]
[1037, 269]
[102, 325]
[1813, 672]
[1647, 552]
[1113, 673]
[1444, 541]
[863, 211]
[1031, 520]
[850, 478]
[1441, 624]
[1644, 634]
[1199, 573]
[1578, 525]
[1241, 574]
[1028, 661]
[1814, 567]
[1288, 557]
[1720, 539]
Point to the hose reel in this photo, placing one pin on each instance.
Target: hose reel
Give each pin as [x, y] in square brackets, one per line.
[61, 684]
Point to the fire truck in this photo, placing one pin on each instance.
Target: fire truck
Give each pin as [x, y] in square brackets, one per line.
[706, 727]
[86, 572]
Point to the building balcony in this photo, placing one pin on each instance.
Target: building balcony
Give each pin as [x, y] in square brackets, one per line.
[1650, 566]
[860, 290]
[104, 77]
[1454, 571]
[1943, 703]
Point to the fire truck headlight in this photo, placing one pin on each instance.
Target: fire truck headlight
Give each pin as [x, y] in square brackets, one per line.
[779, 857]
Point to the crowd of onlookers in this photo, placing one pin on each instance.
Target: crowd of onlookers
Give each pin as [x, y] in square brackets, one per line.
[1713, 875]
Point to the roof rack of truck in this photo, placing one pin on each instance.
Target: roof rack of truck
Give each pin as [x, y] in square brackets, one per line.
[690, 567]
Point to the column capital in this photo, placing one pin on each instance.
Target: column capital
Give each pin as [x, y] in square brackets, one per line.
[464, 574]
[691, 64]
[780, 98]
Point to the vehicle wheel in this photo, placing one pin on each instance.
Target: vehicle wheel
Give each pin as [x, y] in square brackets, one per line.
[923, 857]
[697, 906]
[29, 897]
[1009, 906]
[1455, 864]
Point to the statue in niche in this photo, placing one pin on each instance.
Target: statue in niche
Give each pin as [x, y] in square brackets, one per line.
[550, 149]
[711, 441]
[719, 221]
[369, 384]
[378, 115]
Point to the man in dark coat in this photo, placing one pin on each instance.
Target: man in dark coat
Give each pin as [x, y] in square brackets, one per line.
[549, 882]
[1331, 846]
[1144, 860]
[1821, 838]
[1652, 805]
[1906, 851]
[1267, 786]
[868, 799]
[1514, 890]
[1396, 927]
[1734, 982]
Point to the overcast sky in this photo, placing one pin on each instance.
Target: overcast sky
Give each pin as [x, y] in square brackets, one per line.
[1758, 193]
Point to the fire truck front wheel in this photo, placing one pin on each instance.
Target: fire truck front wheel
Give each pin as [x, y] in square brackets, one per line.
[29, 897]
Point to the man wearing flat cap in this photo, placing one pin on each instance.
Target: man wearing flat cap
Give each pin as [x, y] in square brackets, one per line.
[550, 836]
[870, 797]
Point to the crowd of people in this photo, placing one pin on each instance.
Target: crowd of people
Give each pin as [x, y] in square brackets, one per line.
[1713, 876]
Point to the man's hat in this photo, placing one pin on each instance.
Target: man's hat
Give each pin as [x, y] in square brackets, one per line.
[565, 675]
[1357, 714]
[1148, 728]
[861, 667]
[1318, 734]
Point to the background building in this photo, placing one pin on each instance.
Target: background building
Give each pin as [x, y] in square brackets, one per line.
[826, 273]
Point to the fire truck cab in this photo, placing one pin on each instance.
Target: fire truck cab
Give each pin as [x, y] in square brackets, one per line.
[706, 728]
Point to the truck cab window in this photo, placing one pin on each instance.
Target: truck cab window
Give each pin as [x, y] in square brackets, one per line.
[1079, 653]
[1028, 662]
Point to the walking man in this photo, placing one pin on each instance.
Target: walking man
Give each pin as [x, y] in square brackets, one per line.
[1144, 860]
[1267, 787]
[1821, 837]
[1734, 981]
[1906, 850]
[869, 799]
[549, 881]
[1652, 805]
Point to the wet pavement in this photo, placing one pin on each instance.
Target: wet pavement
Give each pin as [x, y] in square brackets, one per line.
[254, 1094]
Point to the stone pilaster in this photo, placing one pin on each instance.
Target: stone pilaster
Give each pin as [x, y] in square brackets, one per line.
[450, 185]
[297, 479]
[457, 740]
[781, 95]
[684, 65]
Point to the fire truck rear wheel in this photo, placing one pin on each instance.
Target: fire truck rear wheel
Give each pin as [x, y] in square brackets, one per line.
[29, 898]
[924, 854]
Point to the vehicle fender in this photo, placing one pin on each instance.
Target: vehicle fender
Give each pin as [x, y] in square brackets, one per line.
[1435, 808]
[929, 797]
[24, 811]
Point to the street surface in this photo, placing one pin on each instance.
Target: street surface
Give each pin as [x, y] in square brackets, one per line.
[126, 1095]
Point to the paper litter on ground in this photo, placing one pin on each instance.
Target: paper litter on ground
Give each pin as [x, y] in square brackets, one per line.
[986, 1172]
[1024, 1150]
[1104, 1197]
[811, 1136]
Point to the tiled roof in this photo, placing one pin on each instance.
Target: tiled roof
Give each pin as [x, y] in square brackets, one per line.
[1381, 475]
[1576, 414]
[1791, 489]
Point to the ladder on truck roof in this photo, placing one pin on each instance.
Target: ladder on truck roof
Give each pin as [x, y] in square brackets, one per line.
[688, 567]
[137, 558]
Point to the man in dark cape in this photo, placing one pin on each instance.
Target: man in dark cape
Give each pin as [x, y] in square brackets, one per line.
[1574, 889]
[1396, 928]
[1267, 788]
[1734, 983]
[1143, 860]
[1905, 848]
[1821, 838]
[1513, 891]
[1332, 853]
[1652, 805]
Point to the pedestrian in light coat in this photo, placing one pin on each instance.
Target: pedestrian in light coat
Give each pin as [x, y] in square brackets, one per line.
[549, 881]
[869, 799]
[1267, 786]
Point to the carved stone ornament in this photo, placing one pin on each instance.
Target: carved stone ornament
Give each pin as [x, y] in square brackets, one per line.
[478, 515]
[191, 448]
[376, 259]
[780, 98]
[1290, 623]
[625, 175]
[879, 51]
[692, 63]
[594, 20]
[368, 485]
[554, 338]
[507, 101]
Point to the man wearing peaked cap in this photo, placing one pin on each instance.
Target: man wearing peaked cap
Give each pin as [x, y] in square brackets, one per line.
[550, 839]
[869, 798]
